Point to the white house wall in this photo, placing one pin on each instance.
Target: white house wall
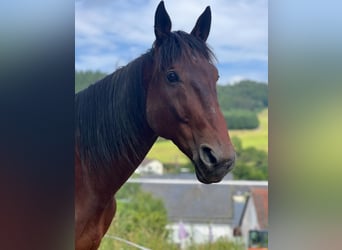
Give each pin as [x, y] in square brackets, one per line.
[200, 233]
[154, 166]
[250, 220]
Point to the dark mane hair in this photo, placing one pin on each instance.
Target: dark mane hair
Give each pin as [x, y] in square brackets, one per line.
[110, 113]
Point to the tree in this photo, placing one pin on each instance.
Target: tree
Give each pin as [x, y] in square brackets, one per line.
[139, 209]
[251, 163]
[140, 218]
[241, 119]
[84, 78]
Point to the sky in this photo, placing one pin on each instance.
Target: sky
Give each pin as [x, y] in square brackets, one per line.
[110, 34]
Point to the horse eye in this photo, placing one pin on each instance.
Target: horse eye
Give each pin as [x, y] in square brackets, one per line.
[172, 77]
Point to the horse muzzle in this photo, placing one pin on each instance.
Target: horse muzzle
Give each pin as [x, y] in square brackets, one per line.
[212, 165]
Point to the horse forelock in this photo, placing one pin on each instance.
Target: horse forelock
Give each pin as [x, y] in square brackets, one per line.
[180, 45]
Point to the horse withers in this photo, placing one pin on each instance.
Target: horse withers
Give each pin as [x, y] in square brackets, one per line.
[170, 91]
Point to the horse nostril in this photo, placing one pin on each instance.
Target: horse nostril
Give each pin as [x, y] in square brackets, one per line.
[207, 155]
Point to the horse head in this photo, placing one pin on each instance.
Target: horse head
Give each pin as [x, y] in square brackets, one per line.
[182, 102]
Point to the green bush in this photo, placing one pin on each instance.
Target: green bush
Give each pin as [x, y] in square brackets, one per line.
[241, 119]
[251, 163]
[140, 218]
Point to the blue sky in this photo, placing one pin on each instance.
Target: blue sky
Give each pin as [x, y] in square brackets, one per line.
[112, 33]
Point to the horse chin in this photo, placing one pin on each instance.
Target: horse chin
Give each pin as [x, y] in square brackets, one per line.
[209, 176]
[206, 180]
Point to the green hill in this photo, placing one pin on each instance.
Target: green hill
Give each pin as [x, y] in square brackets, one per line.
[84, 78]
[244, 95]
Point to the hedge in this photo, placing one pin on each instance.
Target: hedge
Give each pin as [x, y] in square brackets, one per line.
[241, 119]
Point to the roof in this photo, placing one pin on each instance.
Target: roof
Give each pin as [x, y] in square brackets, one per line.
[194, 203]
[184, 176]
[260, 197]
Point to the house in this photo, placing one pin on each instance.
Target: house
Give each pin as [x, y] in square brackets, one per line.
[148, 166]
[198, 213]
[254, 215]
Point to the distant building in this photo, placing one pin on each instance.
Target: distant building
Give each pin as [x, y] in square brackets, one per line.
[148, 166]
[255, 213]
[198, 213]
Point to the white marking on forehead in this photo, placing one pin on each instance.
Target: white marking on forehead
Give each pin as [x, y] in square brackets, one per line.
[213, 110]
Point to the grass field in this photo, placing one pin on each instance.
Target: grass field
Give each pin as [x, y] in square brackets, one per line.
[257, 138]
[166, 152]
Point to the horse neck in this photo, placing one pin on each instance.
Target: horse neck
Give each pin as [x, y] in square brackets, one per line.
[121, 170]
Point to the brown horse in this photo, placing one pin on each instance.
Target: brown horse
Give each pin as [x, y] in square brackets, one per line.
[170, 91]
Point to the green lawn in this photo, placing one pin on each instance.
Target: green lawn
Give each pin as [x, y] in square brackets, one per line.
[166, 152]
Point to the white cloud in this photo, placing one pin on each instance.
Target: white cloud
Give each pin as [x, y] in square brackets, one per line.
[236, 78]
[238, 32]
[255, 76]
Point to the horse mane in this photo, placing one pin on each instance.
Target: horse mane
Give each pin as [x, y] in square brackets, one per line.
[111, 113]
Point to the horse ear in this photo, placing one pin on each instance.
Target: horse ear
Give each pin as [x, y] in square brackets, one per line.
[162, 23]
[202, 27]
